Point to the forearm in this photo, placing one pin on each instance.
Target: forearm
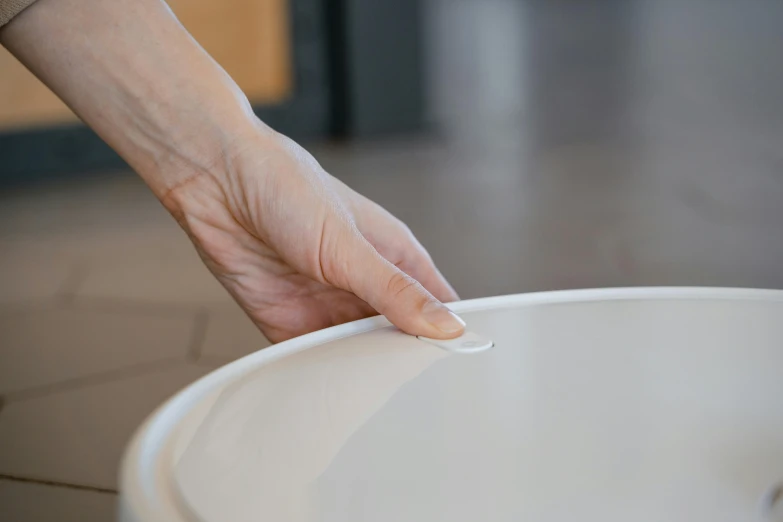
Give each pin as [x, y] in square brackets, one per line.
[134, 74]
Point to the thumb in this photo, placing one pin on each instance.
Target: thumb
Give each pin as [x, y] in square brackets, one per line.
[393, 293]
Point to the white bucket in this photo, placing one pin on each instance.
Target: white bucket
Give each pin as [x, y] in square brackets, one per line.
[612, 405]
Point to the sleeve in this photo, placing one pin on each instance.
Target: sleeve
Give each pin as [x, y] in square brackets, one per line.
[11, 8]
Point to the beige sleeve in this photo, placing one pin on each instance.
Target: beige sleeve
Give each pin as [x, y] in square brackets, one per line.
[11, 8]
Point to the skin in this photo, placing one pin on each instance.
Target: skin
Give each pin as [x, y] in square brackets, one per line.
[296, 248]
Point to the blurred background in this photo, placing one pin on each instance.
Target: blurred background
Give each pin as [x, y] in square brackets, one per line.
[530, 145]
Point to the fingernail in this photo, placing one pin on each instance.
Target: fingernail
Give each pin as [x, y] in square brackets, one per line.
[442, 318]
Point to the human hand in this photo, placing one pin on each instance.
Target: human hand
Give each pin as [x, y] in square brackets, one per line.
[301, 251]
[296, 248]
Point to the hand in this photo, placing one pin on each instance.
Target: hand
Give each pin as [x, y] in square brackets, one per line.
[297, 249]
[300, 251]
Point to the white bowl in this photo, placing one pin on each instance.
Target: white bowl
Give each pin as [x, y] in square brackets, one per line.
[612, 405]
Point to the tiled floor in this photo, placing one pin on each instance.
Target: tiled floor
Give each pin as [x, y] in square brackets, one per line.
[584, 144]
[105, 311]
[40, 502]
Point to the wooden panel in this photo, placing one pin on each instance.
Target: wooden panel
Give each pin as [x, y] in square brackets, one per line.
[249, 38]
[24, 100]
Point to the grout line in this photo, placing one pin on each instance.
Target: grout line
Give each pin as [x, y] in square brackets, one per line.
[2, 403]
[196, 344]
[104, 304]
[118, 374]
[66, 294]
[25, 306]
[57, 484]
[118, 304]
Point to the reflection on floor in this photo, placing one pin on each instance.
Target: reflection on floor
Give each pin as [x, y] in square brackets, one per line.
[582, 145]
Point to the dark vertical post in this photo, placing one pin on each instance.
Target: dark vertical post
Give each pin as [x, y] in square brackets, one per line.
[377, 66]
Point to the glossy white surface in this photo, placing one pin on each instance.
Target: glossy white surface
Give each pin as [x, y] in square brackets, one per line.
[638, 404]
[468, 342]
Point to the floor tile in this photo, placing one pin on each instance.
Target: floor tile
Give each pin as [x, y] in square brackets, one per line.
[32, 274]
[29, 502]
[112, 202]
[79, 436]
[46, 346]
[152, 275]
[229, 335]
[114, 230]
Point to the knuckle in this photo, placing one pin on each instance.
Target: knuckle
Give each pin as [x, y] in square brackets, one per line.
[399, 283]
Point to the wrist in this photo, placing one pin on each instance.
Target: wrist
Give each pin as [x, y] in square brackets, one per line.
[201, 147]
[209, 166]
[133, 74]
